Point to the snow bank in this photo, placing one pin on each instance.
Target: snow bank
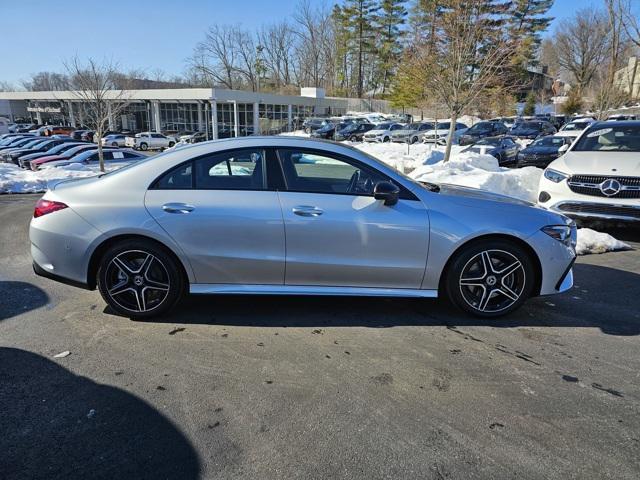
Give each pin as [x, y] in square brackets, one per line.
[590, 241]
[479, 171]
[14, 179]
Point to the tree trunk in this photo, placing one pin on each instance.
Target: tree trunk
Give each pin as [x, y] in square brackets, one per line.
[100, 152]
[452, 131]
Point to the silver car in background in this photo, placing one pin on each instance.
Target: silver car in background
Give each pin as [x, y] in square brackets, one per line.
[411, 133]
[287, 215]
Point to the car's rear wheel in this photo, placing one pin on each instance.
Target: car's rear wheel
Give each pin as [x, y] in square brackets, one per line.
[386, 140]
[353, 138]
[144, 146]
[414, 140]
[490, 278]
[139, 279]
[171, 144]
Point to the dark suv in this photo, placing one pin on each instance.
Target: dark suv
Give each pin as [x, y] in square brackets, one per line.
[354, 132]
[532, 129]
[483, 130]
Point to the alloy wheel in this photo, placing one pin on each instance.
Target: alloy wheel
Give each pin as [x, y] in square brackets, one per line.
[492, 281]
[137, 281]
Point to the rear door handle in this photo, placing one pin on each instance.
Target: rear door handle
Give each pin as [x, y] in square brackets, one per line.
[177, 208]
[307, 211]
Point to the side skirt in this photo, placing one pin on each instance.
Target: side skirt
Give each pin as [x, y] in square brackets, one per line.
[232, 289]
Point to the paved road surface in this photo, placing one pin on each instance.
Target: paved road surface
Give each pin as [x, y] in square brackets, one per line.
[291, 387]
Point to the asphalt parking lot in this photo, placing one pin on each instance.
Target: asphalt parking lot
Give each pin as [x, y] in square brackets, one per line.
[294, 387]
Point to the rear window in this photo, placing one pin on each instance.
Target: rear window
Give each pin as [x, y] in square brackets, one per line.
[610, 139]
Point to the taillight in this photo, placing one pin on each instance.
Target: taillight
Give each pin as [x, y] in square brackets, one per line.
[47, 206]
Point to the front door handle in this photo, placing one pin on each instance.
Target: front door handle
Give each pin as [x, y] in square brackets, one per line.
[177, 208]
[307, 211]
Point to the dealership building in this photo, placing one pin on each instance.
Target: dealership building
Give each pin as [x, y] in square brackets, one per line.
[218, 112]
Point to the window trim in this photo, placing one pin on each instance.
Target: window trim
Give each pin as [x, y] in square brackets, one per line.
[405, 193]
[154, 184]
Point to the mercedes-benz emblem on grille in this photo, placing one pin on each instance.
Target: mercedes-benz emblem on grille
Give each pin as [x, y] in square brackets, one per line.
[610, 187]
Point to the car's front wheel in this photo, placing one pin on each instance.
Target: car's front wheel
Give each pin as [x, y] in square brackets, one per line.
[139, 279]
[490, 278]
[144, 146]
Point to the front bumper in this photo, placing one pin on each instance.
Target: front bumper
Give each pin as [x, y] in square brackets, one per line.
[559, 198]
[556, 260]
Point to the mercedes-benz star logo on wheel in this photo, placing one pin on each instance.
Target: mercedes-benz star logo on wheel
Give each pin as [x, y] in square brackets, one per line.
[610, 187]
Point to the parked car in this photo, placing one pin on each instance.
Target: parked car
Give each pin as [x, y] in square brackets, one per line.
[382, 132]
[13, 155]
[441, 131]
[312, 124]
[15, 143]
[114, 140]
[620, 117]
[504, 149]
[543, 151]
[194, 137]
[87, 135]
[92, 156]
[149, 141]
[57, 150]
[411, 133]
[574, 128]
[507, 121]
[328, 130]
[353, 132]
[482, 130]
[532, 129]
[216, 217]
[598, 177]
[58, 130]
[67, 155]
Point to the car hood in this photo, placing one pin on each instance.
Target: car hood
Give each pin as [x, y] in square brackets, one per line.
[523, 131]
[626, 164]
[471, 194]
[379, 132]
[539, 150]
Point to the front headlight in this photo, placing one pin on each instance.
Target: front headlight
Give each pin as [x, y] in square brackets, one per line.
[562, 233]
[554, 175]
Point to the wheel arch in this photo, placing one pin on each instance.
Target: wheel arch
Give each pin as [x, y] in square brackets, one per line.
[535, 260]
[99, 251]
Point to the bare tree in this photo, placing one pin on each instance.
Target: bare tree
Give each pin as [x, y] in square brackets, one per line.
[215, 57]
[6, 86]
[582, 45]
[93, 83]
[630, 12]
[46, 81]
[471, 56]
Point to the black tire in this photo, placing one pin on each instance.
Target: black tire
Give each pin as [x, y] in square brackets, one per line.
[139, 279]
[171, 144]
[386, 140]
[114, 144]
[414, 140]
[353, 138]
[144, 147]
[507, 290]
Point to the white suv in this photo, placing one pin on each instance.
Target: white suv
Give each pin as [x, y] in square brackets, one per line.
[382, 132]
[598, 177]
[149, 141]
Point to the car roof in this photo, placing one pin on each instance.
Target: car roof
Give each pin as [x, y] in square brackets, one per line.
[617, 123]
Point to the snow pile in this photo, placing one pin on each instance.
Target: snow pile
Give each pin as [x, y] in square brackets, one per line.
[401, 156]
[590, 241]
[479, 171]
[14, 179]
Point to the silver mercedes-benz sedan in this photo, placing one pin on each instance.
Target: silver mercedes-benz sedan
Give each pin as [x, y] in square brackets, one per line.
[280, 215]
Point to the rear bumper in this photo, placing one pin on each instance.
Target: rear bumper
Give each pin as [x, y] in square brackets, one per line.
[38, 270]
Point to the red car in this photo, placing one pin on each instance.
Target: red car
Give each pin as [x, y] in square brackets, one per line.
[37, 163]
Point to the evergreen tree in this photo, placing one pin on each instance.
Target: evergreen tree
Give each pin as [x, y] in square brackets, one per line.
[360, 15]
[527, 20]
[530, 105]
[573, 104]
[342, 38]
[390, 21]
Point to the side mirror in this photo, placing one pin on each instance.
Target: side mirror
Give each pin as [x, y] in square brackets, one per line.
[386, 191]
[563, 148]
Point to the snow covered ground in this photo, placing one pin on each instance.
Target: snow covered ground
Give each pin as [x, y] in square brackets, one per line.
[14, 179]
[420, 161]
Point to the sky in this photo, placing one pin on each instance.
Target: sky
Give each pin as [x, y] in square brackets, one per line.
[38, 35]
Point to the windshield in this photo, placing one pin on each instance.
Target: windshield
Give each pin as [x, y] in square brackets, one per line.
[382, 126]
[528, 125]
[413, 126]
[575, 126]
[549, 142]
[610, 139]
[443, 126]
[480, 127]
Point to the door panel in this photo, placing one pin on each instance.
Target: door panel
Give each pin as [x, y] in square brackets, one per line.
[355, 241]
[229, 236]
